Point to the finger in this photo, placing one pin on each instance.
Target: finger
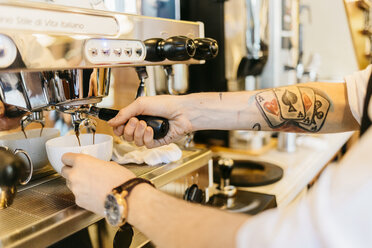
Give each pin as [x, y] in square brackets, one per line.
[139, 133]
[68, 184]
[2, 109]
[148, 137]
[66, 171]
[69, 159]
[118, 131]
[130, 128]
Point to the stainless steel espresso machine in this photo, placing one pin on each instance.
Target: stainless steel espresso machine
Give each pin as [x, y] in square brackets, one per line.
[59, 57]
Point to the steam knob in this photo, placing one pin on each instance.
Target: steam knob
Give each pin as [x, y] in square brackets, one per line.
[154, 49]
[206, 48]
[179, 48]
[176, 48]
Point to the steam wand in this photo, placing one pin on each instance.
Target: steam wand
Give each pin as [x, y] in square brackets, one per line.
[142, 75]
[168, 69]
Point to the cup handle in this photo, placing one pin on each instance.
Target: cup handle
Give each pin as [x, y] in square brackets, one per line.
[29, 163]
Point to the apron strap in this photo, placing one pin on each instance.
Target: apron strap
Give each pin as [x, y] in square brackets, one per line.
[366, 121]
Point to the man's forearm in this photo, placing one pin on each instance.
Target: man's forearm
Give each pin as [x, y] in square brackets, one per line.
[310, 107]
[170, 222]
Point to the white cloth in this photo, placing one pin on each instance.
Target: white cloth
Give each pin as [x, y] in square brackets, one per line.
[338, 210]
[126, 153]
[356, 85]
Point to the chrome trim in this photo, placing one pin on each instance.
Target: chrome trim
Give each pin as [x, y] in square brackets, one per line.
[33, 91]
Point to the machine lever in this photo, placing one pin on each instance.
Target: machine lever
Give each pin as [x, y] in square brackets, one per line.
[160, 125]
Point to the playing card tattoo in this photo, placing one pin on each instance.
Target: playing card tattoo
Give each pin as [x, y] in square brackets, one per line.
[321, 108]
[268, 104]
[296, 106]
[290, 103]
[308, 98]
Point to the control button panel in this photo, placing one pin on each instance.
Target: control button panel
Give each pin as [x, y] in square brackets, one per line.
[104, 51]
[8, 51]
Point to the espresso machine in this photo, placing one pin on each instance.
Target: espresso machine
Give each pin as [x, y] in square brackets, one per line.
[58, 55]
[75, 74]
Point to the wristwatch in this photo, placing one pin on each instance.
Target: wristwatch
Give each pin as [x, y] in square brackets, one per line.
[116, 206]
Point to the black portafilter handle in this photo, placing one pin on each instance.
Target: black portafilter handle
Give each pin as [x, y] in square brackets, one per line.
[176, 48]
[206, 48]
[12, 169]
[160, 125]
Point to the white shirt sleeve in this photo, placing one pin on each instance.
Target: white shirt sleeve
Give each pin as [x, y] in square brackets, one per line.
[356, 85]
[337, 212]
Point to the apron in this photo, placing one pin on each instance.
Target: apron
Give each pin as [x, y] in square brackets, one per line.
[366, 121]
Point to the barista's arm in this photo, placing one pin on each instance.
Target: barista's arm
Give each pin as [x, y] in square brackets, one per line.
[171, 222]
[308, 107]
[167, 221]
[7, 123]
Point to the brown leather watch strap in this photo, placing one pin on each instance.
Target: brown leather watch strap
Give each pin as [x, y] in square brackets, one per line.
[130, 184]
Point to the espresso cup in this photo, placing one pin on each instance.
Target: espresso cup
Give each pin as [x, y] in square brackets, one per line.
[34, 144]
[101, 149]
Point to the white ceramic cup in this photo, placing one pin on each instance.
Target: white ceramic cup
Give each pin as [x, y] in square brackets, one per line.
[101, 149]
[34, 145]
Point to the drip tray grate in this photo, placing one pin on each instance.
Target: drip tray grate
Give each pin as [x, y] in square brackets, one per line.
[35, 204]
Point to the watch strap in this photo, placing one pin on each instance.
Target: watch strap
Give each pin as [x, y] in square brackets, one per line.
[130, 184]
[119, 196]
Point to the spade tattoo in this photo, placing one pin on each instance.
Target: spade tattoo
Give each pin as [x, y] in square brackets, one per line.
[289, 98]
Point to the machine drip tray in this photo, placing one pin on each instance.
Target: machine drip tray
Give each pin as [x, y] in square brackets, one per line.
[248, 173]
[244, 202]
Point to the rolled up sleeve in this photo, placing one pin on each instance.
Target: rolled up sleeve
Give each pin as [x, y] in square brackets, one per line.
[356, 85]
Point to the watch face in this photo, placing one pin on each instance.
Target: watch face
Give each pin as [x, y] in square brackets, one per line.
[113, 210]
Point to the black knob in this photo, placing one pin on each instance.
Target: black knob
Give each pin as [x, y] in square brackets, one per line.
[194, 194]
[123, 237]
[12, 169]
[179, 48]
[154, 49]
[206, 48]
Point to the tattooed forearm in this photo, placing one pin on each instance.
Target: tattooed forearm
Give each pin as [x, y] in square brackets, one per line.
[293, 105]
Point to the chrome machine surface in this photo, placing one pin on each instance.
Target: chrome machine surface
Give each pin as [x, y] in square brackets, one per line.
[53, 55]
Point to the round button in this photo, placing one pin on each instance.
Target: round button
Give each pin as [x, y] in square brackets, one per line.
[8, 51]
